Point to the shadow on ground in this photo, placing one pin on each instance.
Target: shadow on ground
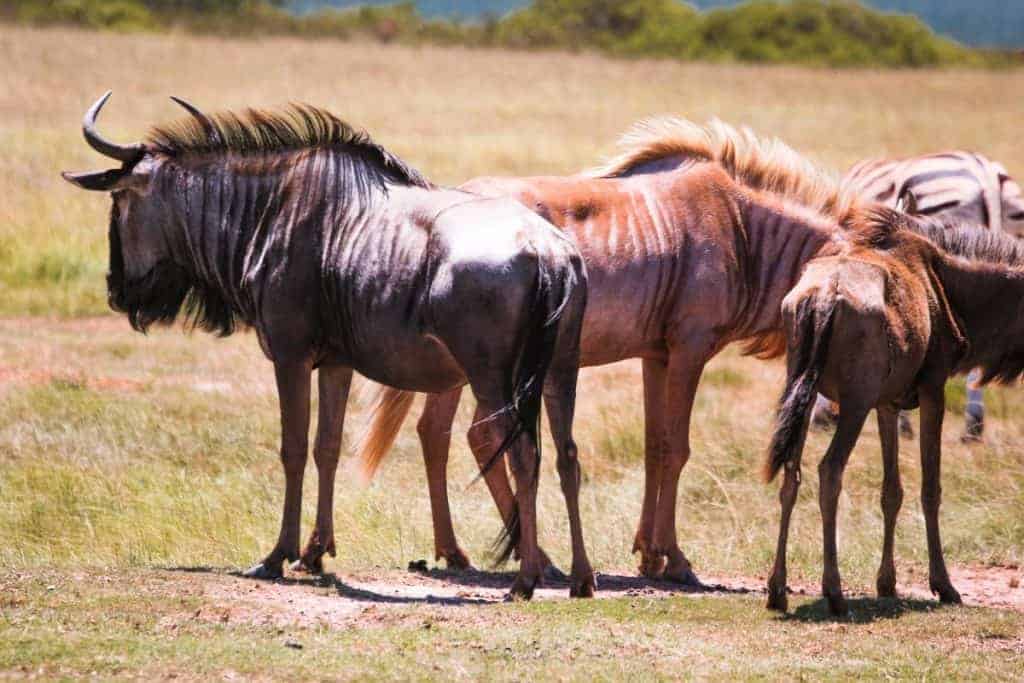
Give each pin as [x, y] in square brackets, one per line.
[862, 610]
[434, 586]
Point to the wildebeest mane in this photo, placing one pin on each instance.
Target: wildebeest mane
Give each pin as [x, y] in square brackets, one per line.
[260, 132]
[766, 164]
[972, 242]
[877, 224]
[241, 180]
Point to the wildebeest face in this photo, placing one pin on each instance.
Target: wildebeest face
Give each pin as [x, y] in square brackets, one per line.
[143, 281]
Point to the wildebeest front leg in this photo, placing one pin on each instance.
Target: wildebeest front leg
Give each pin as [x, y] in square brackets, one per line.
[933, 405]
[892, 498]
[652, 564]
[435, 431]
[684, 370]
[293, 383]
[333, 383]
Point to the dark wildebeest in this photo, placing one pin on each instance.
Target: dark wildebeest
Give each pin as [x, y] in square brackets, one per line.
[884, 324]
[343, 257]
[692, 237]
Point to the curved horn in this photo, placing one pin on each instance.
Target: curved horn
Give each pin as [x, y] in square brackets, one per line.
[126, 153]
[203, 119]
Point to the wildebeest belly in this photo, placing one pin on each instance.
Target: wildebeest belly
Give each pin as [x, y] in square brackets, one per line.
[408, 360]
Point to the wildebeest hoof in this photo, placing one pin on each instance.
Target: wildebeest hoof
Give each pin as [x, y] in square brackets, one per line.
[263, 571]
[553, 573]
[886, 586]
[652, 566]
[583, 588]
[683, 575]
[522, 589]
[947, 594]
[457, 561]
[308, 566]
[837, 606]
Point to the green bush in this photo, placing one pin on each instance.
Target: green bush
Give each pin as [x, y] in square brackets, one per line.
[838, 33]
[121, 15]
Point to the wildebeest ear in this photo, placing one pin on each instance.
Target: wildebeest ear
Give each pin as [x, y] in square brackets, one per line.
[907, 203]
[101, 181]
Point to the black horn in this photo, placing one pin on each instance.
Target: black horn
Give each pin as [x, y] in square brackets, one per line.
[126, 153]
[208, 126]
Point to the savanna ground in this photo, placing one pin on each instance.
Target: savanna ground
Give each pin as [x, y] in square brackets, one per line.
[138, 473]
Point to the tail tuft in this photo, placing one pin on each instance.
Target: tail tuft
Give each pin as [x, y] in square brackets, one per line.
[551, 297]
[389, 410]
[814, 328]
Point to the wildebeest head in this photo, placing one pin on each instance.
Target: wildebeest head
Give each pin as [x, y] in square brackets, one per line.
[144, 280]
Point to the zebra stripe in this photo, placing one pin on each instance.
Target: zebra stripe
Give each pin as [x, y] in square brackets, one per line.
[964, 184]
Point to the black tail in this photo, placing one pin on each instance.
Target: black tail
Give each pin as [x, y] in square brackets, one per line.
[524, 395]
[814, 329]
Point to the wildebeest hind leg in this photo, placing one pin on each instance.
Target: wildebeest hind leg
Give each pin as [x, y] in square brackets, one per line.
[830, 474]
[435, 432]
[892, 498]
[560, 401]
[483, 442]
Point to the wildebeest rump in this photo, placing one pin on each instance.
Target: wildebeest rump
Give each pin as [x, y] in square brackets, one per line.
[343, 257]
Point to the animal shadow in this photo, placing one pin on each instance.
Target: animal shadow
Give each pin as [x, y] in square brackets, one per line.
[862, 610]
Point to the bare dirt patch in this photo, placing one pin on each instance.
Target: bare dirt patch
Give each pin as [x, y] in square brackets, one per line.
[335, 600]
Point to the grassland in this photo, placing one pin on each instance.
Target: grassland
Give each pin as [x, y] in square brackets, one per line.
[136, 472]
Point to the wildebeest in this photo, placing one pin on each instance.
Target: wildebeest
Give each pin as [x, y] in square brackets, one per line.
[343, 257]
[883, 324]
[692, 237]
[952, 185]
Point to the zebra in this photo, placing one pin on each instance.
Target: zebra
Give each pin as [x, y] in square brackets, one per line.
[957, 184]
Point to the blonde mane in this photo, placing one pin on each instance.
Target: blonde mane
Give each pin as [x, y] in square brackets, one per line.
[762, 164]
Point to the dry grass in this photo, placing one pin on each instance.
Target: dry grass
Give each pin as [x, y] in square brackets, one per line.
[124, 452]
[455, 113]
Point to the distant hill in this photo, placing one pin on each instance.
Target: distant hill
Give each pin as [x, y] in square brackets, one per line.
[973, 22]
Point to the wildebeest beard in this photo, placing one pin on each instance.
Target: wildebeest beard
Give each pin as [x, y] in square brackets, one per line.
[159, 295]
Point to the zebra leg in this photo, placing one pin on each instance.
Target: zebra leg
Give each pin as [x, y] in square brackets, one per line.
[974, 414]
[825, 414]
[906, 428]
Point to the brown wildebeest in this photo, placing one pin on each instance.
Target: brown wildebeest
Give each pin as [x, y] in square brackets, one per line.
[343, 257]
[883, 325]
[692, 237]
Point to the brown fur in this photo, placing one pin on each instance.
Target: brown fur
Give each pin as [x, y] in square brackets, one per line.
[905, 317]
